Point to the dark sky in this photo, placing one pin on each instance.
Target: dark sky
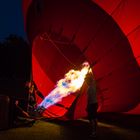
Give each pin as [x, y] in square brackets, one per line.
[11, 18]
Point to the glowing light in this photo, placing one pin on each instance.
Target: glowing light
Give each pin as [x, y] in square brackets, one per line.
[72, 82]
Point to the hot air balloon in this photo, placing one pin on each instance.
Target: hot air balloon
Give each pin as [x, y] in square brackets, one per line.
[65, 33]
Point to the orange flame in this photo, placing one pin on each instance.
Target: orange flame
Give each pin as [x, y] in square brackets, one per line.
[72, 82]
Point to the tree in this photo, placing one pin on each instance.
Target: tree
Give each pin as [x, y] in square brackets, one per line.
[15, 60]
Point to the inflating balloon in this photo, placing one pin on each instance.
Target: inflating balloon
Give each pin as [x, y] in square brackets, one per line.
[65, 33]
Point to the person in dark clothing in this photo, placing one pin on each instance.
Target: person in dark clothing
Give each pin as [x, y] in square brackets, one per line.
[92, 104]
[19, 111]
[20, 116]
[33, 92]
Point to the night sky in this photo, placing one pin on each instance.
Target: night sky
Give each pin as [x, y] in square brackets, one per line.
[11, 18]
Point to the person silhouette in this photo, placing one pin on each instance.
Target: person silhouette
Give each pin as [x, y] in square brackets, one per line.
[92, 104]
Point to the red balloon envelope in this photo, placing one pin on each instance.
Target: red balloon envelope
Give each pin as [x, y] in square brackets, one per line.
[64, 34]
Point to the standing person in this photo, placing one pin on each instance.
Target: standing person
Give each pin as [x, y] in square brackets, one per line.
[31, 87]
[32, 102]
[92, 104]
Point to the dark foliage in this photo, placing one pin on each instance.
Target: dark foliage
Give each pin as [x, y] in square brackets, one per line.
[15, 65]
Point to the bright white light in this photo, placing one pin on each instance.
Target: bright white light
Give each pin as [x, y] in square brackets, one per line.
[72, 82]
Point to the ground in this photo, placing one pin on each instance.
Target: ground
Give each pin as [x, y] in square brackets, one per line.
[110, 127]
